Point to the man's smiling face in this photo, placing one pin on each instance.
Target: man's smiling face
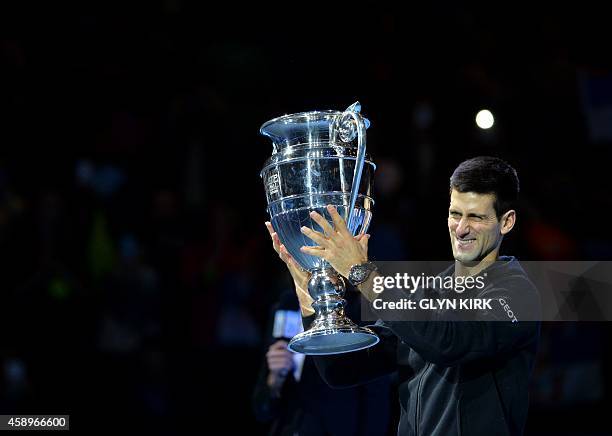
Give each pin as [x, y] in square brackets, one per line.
[475, 231]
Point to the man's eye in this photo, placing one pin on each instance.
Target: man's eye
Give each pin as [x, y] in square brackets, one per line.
[477, 218]
[455, 214]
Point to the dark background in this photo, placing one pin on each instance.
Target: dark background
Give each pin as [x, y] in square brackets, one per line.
[137, 274]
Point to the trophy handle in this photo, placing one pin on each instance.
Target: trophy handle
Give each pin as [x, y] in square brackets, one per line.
[349, 128]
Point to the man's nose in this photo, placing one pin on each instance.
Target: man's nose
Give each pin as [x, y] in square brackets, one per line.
[463, 228]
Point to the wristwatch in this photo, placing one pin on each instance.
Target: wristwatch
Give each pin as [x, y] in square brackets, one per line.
[359, 273]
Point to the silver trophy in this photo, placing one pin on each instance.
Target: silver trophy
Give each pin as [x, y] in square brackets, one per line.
[319, 158]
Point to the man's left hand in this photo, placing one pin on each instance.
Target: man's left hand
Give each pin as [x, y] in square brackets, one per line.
[336, 244]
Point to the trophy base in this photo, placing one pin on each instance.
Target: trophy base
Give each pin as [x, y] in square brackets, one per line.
[333, 340]
[331, 331]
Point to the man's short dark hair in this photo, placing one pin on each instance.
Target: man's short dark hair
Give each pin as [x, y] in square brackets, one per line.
[488, 175]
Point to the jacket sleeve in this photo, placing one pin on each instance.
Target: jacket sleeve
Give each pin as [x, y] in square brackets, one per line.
[494, 333]
[352, 369]
[265, 407]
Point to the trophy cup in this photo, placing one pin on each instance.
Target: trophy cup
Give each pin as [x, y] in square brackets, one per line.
[319, 158]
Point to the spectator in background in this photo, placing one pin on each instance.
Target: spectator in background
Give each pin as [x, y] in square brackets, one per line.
[291, 395]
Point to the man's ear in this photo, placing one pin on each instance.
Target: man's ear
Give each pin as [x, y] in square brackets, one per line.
[507, 221]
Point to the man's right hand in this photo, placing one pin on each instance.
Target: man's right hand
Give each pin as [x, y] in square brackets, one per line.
[300, 277]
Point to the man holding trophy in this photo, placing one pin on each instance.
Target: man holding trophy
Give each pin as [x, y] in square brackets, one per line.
[455, 377]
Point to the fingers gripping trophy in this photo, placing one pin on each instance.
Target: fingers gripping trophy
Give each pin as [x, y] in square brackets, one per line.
[320, 178]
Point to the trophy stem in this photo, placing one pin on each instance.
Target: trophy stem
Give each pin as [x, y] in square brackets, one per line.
[331, 331]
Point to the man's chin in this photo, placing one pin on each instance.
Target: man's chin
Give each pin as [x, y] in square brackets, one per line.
[465, 257]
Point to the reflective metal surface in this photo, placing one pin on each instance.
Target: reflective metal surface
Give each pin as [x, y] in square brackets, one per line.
[319, 158]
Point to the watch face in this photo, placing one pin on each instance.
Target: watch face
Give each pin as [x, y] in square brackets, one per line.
[359, 273]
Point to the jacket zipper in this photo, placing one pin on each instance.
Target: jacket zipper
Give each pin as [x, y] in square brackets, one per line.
[418, 417]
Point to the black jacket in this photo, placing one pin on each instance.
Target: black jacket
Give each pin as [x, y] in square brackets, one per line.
[309, 407]
[455, 378]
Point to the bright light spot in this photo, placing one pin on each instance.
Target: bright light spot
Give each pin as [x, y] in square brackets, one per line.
[484, 119]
